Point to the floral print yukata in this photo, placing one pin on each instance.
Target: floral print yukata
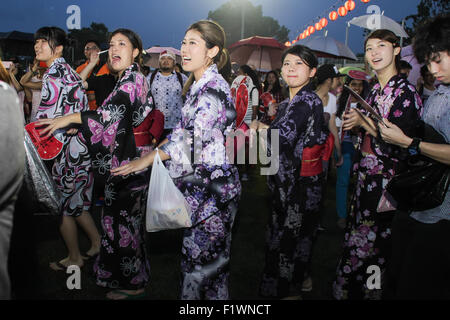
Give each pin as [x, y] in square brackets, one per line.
[295, 199]
[209, 183]
[367, 239]
[122, 262]
[63, 94]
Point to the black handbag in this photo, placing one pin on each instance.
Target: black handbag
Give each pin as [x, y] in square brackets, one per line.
[420, 187]
[424, 183]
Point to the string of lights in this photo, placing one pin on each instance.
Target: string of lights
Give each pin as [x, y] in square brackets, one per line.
[343, 8]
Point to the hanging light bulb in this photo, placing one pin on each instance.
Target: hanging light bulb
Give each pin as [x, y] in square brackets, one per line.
[342, 11]
[333, 15]
[350, 5]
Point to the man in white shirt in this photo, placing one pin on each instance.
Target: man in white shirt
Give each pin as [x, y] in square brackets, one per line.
[167, 86]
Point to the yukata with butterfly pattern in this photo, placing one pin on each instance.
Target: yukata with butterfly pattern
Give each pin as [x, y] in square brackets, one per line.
[122, 262]
[63, 94]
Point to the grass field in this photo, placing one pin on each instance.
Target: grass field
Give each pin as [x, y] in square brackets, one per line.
[37, 242]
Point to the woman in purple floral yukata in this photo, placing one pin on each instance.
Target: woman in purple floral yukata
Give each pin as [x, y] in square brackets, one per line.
[209, 182]
[122, 263]
[297, 186]
[367, 240]
[63, 94]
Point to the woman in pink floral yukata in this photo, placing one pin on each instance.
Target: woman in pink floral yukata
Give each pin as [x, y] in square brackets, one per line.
[367, 239]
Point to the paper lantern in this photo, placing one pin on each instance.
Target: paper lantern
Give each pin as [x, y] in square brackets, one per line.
[311, 29]
[287, 44]
[307, 33]
[365, 1]
[302, 36]
[318, 26]
[350, 5]
[323, 22]
[294, 41]
[342, 11]
[333, 15]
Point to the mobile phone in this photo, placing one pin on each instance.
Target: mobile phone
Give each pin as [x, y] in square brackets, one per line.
[7, 64]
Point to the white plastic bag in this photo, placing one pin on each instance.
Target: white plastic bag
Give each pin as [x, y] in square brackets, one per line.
[166, 206]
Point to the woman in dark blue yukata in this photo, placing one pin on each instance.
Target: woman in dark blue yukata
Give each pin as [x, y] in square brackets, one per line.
[297, 186]
[122, 263]
[210, 183]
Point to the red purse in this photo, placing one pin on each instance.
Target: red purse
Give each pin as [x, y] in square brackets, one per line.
[47, 148]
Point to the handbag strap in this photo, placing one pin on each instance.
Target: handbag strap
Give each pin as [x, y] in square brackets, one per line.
[156, 158]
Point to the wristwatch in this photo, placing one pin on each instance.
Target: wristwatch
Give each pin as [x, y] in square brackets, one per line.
[413, 148]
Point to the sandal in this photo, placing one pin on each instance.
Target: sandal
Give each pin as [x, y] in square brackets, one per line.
[60, 266]
[127, 296]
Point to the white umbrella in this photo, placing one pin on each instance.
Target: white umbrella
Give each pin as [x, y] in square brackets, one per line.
[408, 55]
[154, 52]
[329, 47]
[379, 21]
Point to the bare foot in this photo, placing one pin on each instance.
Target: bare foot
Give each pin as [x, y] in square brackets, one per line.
[64, 263]
[91, 253]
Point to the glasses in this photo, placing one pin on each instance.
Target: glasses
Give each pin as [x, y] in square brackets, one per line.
[91, 48]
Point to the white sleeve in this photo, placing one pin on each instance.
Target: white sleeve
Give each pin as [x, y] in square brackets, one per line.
[255, 97]
[331, 107]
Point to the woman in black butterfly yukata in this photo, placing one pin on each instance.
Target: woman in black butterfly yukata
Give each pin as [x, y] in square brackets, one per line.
[122, 262]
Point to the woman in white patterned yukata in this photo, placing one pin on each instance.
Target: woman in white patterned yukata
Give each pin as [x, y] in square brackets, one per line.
[122, 262]
[212, 186]
[367, 239]
[63, 94]
[297, 186]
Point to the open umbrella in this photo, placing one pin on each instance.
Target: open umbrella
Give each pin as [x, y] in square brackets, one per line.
[262, 53]
[379, 21]
[154, 52]
[408, 55]
[329, 47]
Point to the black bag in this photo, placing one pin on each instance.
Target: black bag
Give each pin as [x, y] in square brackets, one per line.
[420, 187]
[424, 183]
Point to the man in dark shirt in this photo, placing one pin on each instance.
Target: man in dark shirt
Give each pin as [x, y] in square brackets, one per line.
[102, 86]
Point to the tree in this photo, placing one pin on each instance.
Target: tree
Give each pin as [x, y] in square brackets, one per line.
[229, 16]
[78, 38]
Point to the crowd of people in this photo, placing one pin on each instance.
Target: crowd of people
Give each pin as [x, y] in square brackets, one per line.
[113, 120]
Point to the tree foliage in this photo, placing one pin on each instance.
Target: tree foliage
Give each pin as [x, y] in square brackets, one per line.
[229, 16]
[425, 10]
